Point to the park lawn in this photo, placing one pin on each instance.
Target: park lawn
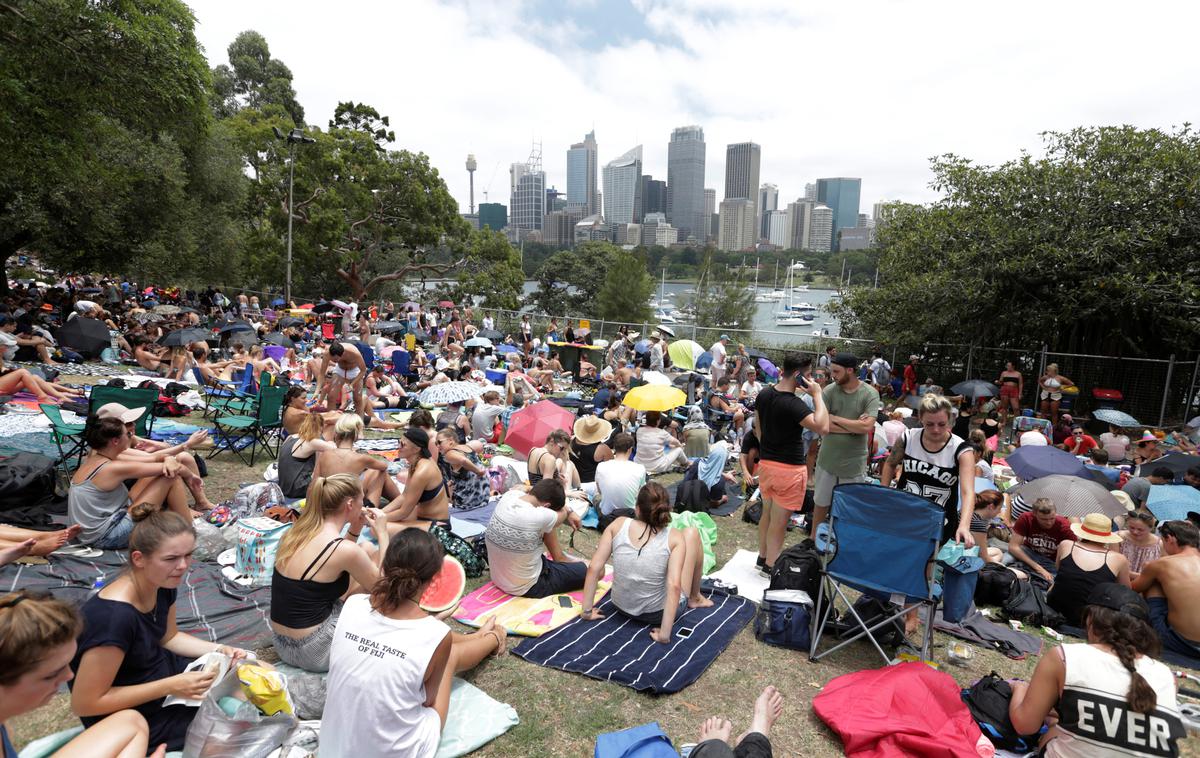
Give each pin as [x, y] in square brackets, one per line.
[561, 714]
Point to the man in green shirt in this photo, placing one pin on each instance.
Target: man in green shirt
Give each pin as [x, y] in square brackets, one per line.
[853, 406]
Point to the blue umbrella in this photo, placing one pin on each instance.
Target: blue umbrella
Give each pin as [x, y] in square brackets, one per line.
[1172, 501]
[1036, 461]
[504, 349]
[642, 346]
[278, 302]
[705, 360]
[478, 342]
[1115, 417]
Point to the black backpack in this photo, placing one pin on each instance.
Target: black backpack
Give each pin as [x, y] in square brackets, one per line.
[988, 700]
[1027, 604]
[797, 568]
[752, 513]
[692, 495]
[994, 585]
[872, 611]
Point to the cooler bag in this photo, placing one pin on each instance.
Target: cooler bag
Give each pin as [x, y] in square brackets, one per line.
[257, 542]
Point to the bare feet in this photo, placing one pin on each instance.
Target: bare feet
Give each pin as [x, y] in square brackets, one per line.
[501, 636]
[54, 540]
[767, 709]
[699, 601]
[715, 728]
[14, 552]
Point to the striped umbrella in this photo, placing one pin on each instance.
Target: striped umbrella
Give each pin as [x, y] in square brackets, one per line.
[1073, 496]
[449, 392]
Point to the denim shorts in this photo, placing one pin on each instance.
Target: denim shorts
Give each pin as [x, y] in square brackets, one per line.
[117, 535]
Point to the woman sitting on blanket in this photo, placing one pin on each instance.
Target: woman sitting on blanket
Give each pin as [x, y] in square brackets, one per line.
[99, 501]
[463, 471]
[298, 455]
[391, 664]
[131, 654]
[315, 572]
[653, 565]
[426, 498]
[37, 642]
[343, 459]
[142, 450]
[18, 379]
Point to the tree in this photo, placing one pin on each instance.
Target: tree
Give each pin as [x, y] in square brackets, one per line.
[722, 301]
[625, 291]
[490, 271]
[1094, 248]
[253, 79]
[568, 282]
[363, 118]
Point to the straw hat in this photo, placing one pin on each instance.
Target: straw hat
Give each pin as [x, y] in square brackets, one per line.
[1096, 527]
[591, 429]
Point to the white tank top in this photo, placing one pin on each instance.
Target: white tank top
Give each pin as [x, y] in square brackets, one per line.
[640, 576]
[1095, 719]
[376, 689]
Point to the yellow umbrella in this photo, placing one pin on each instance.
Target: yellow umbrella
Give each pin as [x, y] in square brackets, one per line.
[684, 354]
[655, 397]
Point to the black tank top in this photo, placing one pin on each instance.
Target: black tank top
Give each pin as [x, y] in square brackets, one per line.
[1072, 585]
[301, 603]
[585, 460]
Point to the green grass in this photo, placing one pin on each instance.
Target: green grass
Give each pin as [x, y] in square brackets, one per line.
[562, 713]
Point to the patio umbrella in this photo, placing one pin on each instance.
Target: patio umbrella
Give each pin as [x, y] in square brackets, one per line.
[389, 327]
[445, 304]
[768, 368]
[86, 336]
[1034, 462]
[1073, 497]
[684, 353]
[1179, 463]
[975, 389]
[656, 377]
[642, 346]
[529, 426]
[1169, 502]
[478, 342]
[654, 397]
[289, 321]
[279, 338]
[667, 331]
[490, 334]
[166, 310]
[754, 352]
[181, 337]
[449, 392]
[1115, 417]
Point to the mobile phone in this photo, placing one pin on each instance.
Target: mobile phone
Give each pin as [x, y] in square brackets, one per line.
[684, 633]
[801, 380]
[566, 602]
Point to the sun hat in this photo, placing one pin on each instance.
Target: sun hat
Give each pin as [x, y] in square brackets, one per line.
[1124, 499]
[1147, 436]
[591, 429]
[655, 336]
[118, 411]
[1096, 527]
[1118, 597]
[1033, 438]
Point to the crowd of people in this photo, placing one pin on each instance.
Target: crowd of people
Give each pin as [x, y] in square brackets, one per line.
[367, 543]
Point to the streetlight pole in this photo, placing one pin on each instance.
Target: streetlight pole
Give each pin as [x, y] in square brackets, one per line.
[293, 138]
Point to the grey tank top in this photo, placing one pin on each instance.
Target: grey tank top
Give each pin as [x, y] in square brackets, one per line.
[93, 508]
[640, 575]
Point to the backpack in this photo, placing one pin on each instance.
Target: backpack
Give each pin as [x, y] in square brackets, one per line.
[797, 568]
[872, 611]
[995, 585]
[1027, 604]
[752, 513]
[988, 700]
[692, 495]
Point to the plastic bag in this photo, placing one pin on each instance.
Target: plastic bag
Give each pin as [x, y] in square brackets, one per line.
[253, 499]
[213, 734]
[271, 473]
[210, 541]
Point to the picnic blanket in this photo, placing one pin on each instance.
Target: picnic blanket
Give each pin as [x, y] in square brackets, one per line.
[618, 649]
[480, 515]
[208, 605]
[523, 616]
[742, 572]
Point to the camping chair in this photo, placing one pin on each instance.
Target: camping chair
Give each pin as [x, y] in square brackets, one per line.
[260, 427]
[223, 396]
[880, 543]
[130, 398]
[716, 420]
[68, 437]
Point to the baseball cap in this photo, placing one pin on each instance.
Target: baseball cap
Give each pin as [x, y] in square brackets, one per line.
[118, 411]
[845, 360]
[1119, 598]
[723, 337]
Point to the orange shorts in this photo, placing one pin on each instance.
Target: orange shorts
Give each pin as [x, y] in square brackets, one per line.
[783, 484]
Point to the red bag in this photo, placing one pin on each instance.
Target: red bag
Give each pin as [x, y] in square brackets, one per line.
[901, 711]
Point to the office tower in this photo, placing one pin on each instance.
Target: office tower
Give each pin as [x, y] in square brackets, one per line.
[629, 235]
[864, 221]
[742, 160]
[735, 233]
[555, 200]
[810, 192]
[710, 202]
[527, 199]
[581, 175]
[591, 228]
[779, 228]
[841, 194]
[800, 218]
[768, 200]
[493, 216]
[654, 195]
[558, 228]
[685, 183]
[656, 230]
[623, 188]
[820, 230]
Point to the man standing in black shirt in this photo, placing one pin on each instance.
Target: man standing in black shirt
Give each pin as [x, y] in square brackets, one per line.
[781, 418]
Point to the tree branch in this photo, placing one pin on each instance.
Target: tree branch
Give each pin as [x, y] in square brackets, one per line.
[437, 268]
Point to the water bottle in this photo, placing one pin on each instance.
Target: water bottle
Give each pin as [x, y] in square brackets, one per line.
[97, 586]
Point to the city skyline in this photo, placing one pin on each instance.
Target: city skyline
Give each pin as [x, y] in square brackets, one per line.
[915, 81]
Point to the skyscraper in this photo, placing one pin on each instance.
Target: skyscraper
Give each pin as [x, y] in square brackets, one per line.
[811, 226]
[737, 224]
[685, 183]
[581, 175]
[654, 195]
[841, 194]
[712, 220]
[623, 188]
[742, 161]
[810, 192]
[820, 231]
[493, 215]
[527, 199]
[768, 200]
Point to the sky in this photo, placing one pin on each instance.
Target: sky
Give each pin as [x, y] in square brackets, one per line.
[869, 89]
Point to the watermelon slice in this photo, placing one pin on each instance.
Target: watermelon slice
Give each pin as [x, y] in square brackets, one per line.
[446, 589]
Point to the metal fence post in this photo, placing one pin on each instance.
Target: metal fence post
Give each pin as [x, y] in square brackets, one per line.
[970, 360]
[1041, 370]
[1162, 409]
[1188, 398]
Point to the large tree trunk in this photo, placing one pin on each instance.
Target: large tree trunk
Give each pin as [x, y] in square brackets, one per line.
[9, 248]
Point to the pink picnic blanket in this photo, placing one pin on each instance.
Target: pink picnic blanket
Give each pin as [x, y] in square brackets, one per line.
[524, 616]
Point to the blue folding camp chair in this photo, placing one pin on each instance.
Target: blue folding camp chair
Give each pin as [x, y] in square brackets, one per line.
[881, 542]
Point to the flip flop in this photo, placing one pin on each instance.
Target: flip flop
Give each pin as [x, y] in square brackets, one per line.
[78, 551]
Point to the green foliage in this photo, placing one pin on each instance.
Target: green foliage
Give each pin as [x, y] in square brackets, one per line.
[490, 270]
[569, 282]
[723, 301]
[362, 117]
[1093, 248]
[253, 79]
[626, 290]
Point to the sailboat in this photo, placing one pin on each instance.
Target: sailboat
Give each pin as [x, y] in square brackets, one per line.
[663, 302]
[792, 315]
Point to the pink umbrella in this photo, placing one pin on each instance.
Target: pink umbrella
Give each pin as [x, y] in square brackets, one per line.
[387, 351]
[529, 426]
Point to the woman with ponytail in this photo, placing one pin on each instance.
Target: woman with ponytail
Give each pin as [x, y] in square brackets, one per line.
[343, 459]
[391, 663]
[298, 455]
[655, 568]
[426, 499]
[37, 643]
[1112, 698]
[316, 569]
[131, 654]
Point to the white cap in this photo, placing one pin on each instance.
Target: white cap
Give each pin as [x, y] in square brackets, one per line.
[1033, 438]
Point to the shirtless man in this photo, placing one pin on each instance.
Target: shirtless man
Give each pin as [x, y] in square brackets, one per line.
[349, 370]
[1171, 585]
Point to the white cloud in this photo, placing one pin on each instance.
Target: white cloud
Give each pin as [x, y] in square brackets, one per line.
[870, 89]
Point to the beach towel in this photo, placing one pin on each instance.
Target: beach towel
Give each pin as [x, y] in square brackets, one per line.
[742, 572]
[708, 533]
[523, 616]
[618, 649]
[481, 515]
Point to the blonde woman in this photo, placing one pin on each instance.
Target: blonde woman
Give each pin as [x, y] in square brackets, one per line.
[316, 569]
[343, 459]
[1050, 387]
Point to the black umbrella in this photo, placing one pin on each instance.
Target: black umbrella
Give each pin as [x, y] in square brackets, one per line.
[490, 334]
[181, 337]
[1177, 462]
[86, 336]
[754, 352]
[186, 309]
[975, 389]
[236, 326]
[389, 327]
[277, 338]
[288, 321]
[323, 307]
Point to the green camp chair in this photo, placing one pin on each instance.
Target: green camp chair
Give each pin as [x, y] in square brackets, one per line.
[260, 427]
[130, 398]
[68, 437]
[222, 397]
